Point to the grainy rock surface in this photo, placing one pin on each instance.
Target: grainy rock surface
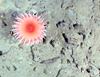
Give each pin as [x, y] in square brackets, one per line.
[70, 49]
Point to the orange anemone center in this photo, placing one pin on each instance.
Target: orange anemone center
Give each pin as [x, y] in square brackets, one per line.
[30, 27]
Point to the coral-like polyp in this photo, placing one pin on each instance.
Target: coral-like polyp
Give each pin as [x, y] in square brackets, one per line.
[29, 28]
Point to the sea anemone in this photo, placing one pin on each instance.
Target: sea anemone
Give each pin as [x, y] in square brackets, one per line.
[29, 28]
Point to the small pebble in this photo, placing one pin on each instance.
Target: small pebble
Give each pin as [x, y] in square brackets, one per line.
[2, 16]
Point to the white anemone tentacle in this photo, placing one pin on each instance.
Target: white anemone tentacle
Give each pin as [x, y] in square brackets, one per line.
[38, 17]
[41, 38]
[44, 30]
[14, 26]
[30, 15]
[41, 20]
[26, 15]
[33, 42]
[16, 36]
[43, 27]
[25, 41]
[22, 16]
[17, 22]
[44, 34]
[16, 33]
[45, 24]
[29, 41]
[19, 19]
[19, 36]
[21, 39]
[37, 41]
[14, 29]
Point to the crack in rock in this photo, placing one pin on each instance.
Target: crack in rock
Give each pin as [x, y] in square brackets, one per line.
[58, 72]
[50, 60]
[73, 59]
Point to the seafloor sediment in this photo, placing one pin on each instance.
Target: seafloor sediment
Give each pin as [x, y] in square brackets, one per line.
[70, 49]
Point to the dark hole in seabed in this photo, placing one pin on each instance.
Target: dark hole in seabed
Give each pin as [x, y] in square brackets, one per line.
[65, 37]
[0, 53]
[4, 23]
